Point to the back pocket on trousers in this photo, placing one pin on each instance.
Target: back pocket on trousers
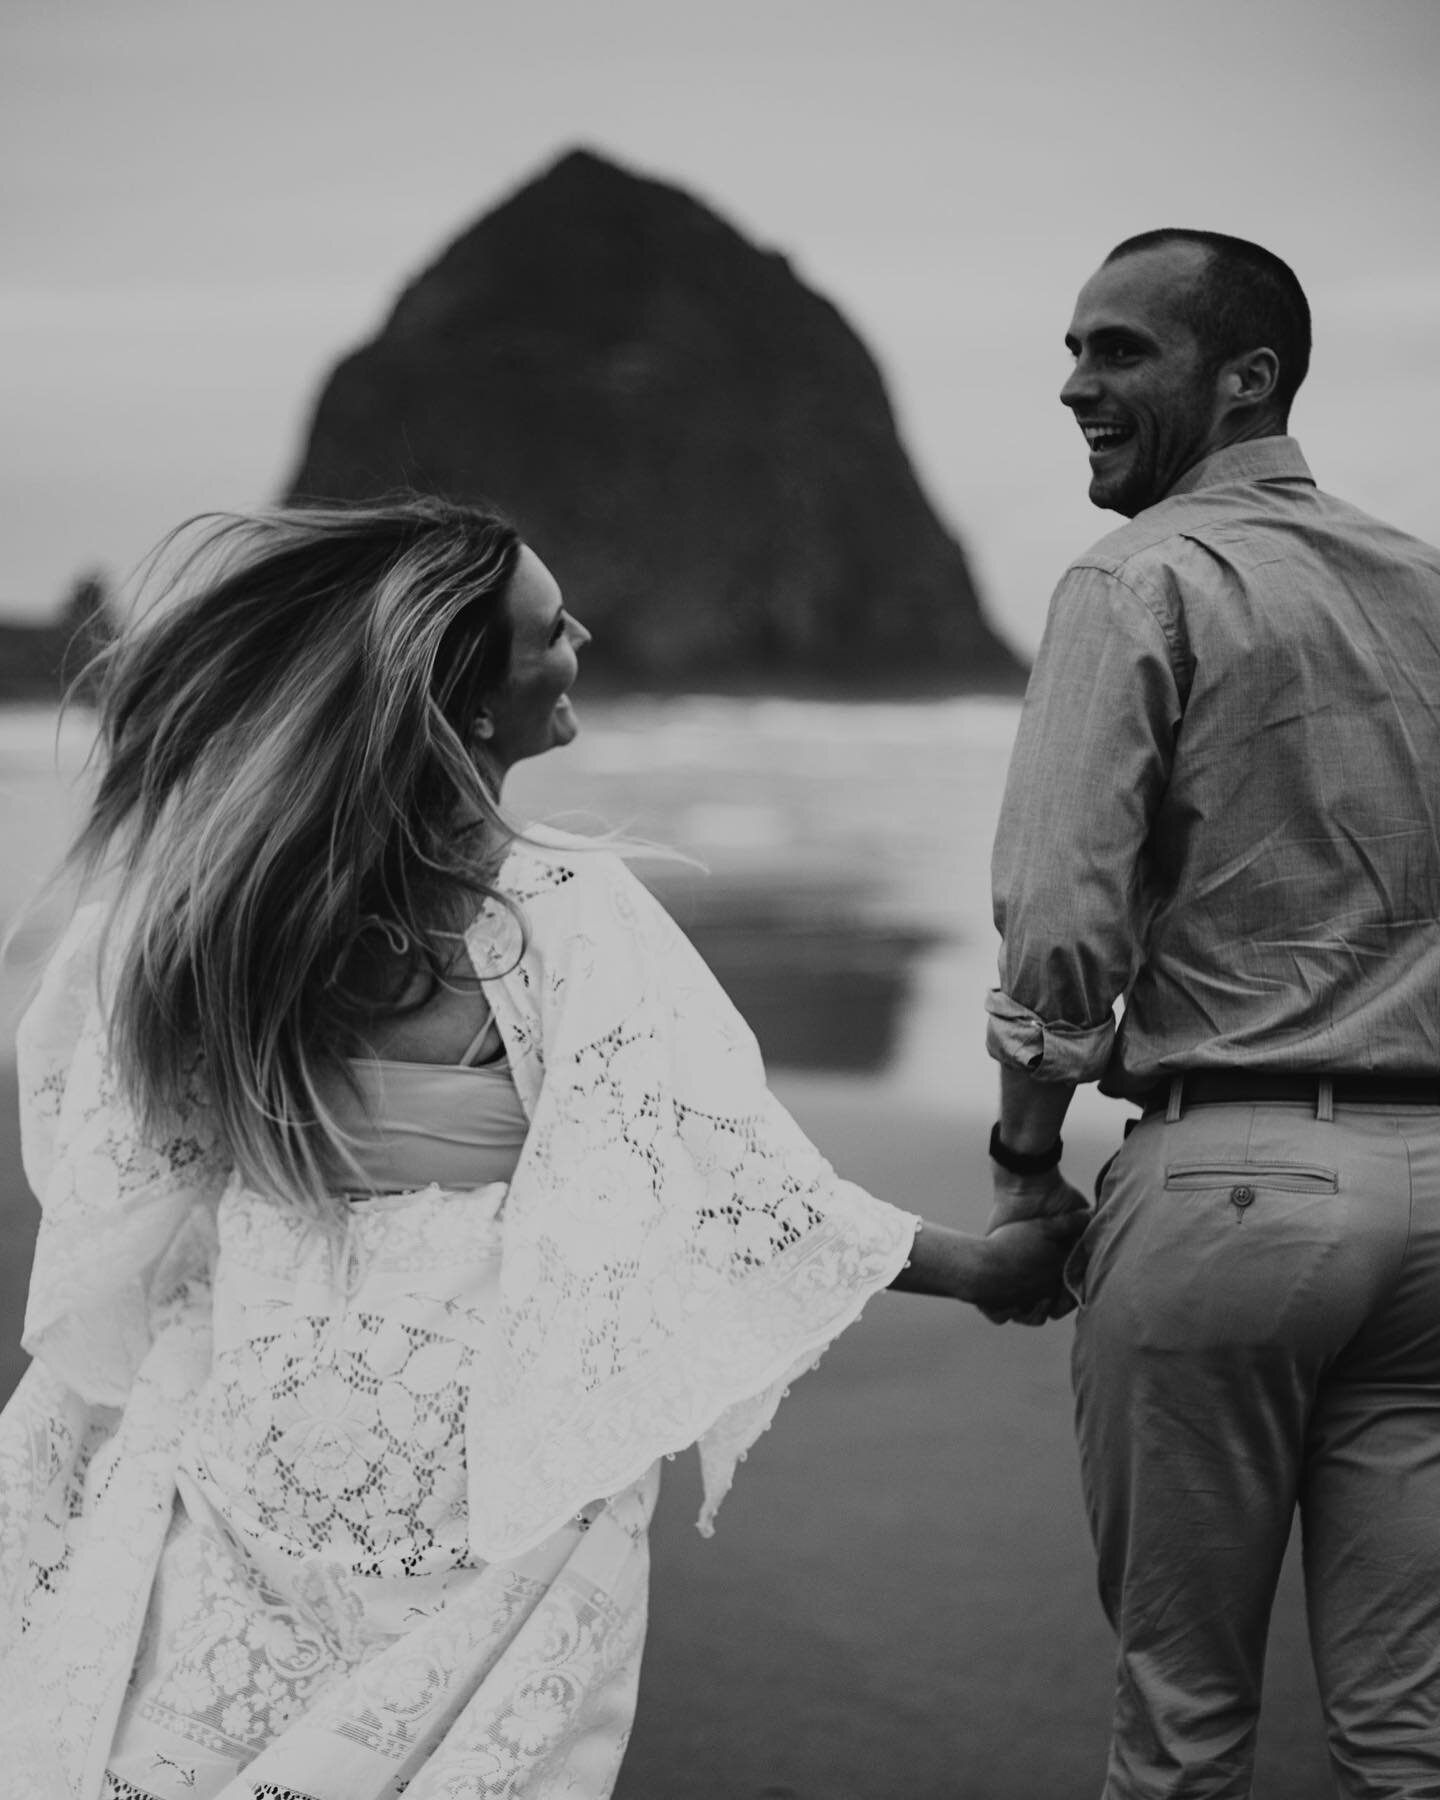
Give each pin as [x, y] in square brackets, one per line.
[1286, 1177]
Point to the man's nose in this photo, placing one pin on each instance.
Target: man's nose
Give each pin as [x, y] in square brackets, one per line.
[1079, 386]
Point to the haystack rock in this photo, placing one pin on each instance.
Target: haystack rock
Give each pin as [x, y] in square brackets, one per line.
[697, 443]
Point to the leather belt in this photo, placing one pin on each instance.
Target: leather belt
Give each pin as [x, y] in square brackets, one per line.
[1253, 1087]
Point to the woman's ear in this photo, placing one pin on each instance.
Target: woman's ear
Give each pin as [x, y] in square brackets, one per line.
[482, 725]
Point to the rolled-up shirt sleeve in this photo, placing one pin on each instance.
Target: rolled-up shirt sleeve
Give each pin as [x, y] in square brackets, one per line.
[1050, 1050]
[1091, 761]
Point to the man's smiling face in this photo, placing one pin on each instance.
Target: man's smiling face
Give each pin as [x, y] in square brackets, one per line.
[1140, 390]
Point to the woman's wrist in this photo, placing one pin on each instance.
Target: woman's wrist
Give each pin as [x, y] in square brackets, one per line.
[952, 1264]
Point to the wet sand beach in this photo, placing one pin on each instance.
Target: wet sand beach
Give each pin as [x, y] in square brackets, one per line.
[898, 1601]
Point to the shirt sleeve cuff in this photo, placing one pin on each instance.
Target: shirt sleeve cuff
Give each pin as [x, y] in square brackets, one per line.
[1021, 1039]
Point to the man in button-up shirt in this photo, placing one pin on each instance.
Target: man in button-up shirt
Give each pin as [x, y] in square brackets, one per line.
[1223, 811]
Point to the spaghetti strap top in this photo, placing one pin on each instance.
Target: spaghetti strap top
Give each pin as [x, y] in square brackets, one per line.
[457, 1124]
[479, 1038]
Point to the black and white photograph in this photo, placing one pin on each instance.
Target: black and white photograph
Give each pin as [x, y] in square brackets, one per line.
[720, 900]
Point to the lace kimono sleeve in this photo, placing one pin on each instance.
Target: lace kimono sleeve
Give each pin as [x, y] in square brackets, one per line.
[675, 1248]
[116, 1205]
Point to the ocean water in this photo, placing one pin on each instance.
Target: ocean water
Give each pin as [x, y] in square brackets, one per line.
[842, 892]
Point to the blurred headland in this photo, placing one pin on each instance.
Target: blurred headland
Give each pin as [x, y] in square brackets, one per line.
[697, 443]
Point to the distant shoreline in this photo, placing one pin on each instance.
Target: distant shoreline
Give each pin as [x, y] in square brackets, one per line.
[762, 684]
[920, 685]
[36, 736]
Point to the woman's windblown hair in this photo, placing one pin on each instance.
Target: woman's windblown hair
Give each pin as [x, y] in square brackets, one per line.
[289, 802]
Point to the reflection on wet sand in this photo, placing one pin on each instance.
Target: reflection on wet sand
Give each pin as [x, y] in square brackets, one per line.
[824, 984]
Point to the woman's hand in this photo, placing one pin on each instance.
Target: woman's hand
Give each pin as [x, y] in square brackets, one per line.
[1010, 1273]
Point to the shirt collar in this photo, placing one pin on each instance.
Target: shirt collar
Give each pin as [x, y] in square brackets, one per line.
[1257, 459]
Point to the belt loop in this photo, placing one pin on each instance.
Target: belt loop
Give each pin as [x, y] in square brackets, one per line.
[1325, 1099]
[1177, 1092]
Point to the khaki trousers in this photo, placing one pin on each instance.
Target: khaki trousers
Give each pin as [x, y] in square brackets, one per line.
[1259, 1332]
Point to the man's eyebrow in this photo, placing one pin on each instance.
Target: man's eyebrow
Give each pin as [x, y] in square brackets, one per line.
[1105, 336]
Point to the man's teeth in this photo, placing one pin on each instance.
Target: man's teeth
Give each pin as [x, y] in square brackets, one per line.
[1103, 437]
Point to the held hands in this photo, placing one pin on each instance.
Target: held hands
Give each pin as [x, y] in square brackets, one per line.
[1013, 1272]
[1034, 1224]
[1023, 1263]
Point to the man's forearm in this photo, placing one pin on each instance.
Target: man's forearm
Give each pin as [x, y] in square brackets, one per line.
[1031, 1112]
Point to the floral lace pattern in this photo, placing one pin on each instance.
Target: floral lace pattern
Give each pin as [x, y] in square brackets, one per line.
[106, 1484]
[114, 1204]
[674, 1246]
[115, 1789]
[484, 1682]
[333, 1423]
[327, 1626]
[331, 1496]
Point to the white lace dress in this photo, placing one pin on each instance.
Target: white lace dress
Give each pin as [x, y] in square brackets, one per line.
[340, 1513]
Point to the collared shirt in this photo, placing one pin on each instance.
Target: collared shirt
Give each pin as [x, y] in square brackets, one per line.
[1224, 800]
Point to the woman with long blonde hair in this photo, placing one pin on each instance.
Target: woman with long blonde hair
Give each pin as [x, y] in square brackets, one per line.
[409, 1189]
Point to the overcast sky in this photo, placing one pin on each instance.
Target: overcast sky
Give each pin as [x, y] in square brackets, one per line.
[205, 203]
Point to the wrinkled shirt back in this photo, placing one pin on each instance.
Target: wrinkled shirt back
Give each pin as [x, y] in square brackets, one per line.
[1222, 803]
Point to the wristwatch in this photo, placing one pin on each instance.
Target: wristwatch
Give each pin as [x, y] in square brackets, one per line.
[1021, 1162]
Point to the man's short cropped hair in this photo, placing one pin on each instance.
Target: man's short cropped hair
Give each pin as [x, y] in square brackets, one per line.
[1246, 299]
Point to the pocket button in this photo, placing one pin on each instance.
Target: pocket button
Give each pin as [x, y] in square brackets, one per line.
[1241, 1195]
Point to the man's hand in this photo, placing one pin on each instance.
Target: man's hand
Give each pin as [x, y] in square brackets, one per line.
[1031, 1197]
[1023, 1263]
[1019, 1198]
[1031, 1115]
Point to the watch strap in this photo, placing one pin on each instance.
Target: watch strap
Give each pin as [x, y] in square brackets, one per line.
[1022, 1162]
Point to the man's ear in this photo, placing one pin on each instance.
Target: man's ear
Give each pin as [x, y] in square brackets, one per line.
[1250, 380]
